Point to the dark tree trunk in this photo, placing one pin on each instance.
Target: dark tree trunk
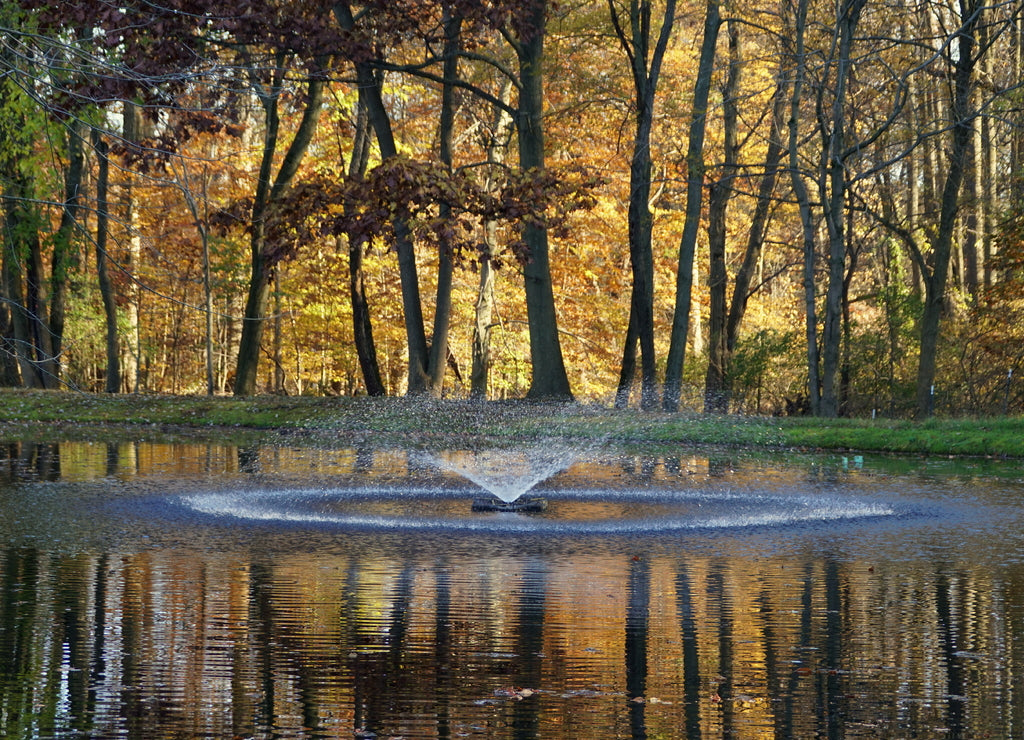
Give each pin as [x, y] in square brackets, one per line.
[758, 224]
[263, 264]
[10, 377]
[25, 285]
[845, 365]
[716, 393]
[804, 205]
[17, 225]
[694, 200]
[833, 191]
[443, 304]
[962, 119]
[549, 380]
[628, 368]
[362, 325]
[64, 261]
[646, 68]
[113, 377]
[19, 233]
[372, 97]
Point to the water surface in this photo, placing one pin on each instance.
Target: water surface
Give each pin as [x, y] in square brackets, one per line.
[153, 591]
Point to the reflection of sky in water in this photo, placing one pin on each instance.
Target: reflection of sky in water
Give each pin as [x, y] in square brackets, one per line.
[880, 602]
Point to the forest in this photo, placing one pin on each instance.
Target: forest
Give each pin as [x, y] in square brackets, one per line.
[762, 207]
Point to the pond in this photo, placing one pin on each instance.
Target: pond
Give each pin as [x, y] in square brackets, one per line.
[208, 591]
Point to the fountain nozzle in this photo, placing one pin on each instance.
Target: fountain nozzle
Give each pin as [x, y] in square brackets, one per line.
[529, 505]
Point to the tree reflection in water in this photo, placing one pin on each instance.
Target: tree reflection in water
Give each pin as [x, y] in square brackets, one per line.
[200, 631]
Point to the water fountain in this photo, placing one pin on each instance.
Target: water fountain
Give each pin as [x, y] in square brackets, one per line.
[508, 476]
[532, 490]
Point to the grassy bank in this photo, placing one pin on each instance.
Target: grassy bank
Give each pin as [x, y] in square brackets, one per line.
[23, 411]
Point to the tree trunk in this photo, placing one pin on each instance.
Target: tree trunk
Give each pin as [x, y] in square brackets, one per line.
[37, 302]
[25, 286]
[263, 264]
[497, 148]
[211, 386]
[10, 376]
[694, 199]
[16, 201]
[758, 223]
[962, 118]
[416, 338]
[131, 298]
[549, 380]
[973, 222]
[131, 295]
[628, 368]
[113, 375]
[989, 178]
[261, 272]
[483, 312]
[716, 392]
[438, 361]
[362, 326]
[845, 364]
[832, 187]
[645, 83]
[65, 258]
[804, 205]
[277, 343]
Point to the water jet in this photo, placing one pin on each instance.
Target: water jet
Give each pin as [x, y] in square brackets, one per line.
[507, 475]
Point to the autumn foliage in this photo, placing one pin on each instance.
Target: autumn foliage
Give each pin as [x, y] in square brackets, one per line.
[358, 168]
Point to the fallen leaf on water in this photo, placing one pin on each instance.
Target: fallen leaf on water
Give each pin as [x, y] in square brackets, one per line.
[511, 692]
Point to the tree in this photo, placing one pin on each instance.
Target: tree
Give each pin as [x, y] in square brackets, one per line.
[113, 379]
[35, 110]
[832, 186]
[645, 65]
[694, 200]
[362, 324]
[371, 96]
[963, 59]
[743, 286]
[269, 189]
[802, 195]
[496, 143]
[722, 190]
[549, 380]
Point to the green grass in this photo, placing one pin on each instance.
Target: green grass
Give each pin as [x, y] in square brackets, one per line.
[23, 411]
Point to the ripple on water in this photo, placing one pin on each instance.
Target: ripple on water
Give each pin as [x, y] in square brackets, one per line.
[577, 511]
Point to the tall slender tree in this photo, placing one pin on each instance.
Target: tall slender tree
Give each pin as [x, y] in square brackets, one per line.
[549, 380]
[694, 200]
[497, 140]
[270, 187]
[963, 58]
[832, 186]
[802, 194]
[645, 63]
[362, 323]
[722, 190]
